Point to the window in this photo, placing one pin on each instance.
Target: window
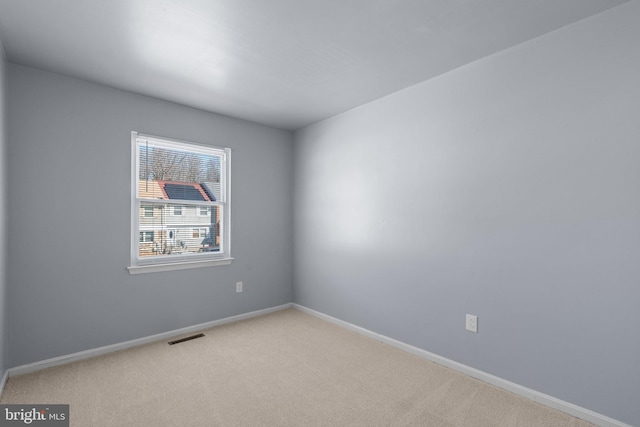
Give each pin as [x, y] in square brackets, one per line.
[180, 205]
[199, 233]
[146, 236]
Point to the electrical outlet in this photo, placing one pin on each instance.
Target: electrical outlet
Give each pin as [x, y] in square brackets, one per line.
[472, 323]
[239, 287]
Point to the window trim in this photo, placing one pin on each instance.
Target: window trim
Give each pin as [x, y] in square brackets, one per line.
[183, 265]
[178, 262]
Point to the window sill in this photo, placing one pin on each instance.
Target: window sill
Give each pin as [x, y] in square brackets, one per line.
[154, 268]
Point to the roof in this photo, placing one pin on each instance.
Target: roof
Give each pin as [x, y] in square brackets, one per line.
[148, 189]
[171, 190]
[212, 189]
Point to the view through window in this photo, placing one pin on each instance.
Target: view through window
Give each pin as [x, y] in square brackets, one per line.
[180, 207]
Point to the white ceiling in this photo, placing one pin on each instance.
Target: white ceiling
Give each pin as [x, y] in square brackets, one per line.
[284, 63]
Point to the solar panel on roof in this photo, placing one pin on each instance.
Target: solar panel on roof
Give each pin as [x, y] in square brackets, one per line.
[183, 192]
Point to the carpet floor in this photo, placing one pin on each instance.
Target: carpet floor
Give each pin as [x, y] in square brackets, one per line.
[283, 369]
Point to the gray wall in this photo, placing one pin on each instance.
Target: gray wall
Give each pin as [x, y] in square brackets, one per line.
[69, 216]
[3, 213]
[508, 189]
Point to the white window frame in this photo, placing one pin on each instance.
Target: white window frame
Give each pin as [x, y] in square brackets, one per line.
[152, 264]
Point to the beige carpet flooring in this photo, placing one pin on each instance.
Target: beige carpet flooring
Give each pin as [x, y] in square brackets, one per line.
[283, 369]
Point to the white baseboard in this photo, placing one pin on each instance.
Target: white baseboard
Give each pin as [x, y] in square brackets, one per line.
[544, 399]
[3, 381]
[61, 360]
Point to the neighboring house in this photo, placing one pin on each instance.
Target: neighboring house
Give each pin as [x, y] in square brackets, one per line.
[168, 228]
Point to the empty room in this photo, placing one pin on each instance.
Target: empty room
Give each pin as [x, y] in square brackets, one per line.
[337, 213]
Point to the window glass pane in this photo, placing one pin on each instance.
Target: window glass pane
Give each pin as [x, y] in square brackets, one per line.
[181, 195]
[177, 174]
[166, 234]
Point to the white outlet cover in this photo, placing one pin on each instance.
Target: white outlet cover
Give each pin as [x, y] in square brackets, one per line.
[472, 323]
[239, 286]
